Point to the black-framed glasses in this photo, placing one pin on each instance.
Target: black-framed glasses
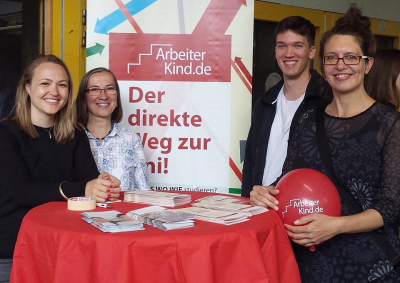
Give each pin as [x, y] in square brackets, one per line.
[96, 91]
[347, 59]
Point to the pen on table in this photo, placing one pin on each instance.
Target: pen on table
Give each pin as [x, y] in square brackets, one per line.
[104, 205]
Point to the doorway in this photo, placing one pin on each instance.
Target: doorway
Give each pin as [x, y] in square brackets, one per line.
[266, 71]
[21, 37]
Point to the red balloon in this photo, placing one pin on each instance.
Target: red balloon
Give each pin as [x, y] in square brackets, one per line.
[306, 191]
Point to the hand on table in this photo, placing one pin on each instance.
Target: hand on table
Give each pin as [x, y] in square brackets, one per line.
[115, 181]
[106, 186]
[264, 196]
[320, 228]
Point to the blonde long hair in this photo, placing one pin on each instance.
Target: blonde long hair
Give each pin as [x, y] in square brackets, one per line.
[65, 119]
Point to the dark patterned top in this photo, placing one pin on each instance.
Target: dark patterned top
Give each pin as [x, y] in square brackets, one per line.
[365, 153]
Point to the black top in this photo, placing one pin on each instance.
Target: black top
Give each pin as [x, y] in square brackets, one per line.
[261, 123]
[365, 155]
[31, 172]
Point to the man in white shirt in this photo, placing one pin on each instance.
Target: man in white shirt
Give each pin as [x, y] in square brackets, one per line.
[277, 111]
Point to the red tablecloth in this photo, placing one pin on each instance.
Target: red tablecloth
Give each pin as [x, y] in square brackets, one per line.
[56, 245]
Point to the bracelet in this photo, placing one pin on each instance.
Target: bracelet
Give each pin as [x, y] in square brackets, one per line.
[61, 191]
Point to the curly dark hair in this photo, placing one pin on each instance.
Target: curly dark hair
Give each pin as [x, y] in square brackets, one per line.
[354, 24]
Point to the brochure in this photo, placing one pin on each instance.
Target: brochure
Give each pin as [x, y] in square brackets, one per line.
[157, 198]
[229, 203]
[215, 216]
[162, 218]
[112, 221]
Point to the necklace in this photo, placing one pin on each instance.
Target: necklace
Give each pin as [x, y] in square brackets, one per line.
[49, 131]
[101, 139]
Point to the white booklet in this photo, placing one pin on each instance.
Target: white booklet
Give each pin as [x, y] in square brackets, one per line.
[157, 198]
[162, 218]
[229, 203]
[215, 216]
[112, 221]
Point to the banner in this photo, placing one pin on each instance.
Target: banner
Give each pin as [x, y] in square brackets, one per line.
[183, 71]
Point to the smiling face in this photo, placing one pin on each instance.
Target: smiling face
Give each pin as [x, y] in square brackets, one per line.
[341, 77]
[103, 105]
[48, 91]
[293, 54]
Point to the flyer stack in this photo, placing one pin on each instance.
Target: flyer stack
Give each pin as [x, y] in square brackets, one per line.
[162, 218]
[228, 203]
[157, 198]
[112, 221]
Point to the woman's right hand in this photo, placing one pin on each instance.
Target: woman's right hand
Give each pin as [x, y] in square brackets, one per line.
[102, 189]
[264, 196]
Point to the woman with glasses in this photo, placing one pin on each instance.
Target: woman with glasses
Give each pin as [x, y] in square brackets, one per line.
[116, 150]
[355, 141]
[44, 156]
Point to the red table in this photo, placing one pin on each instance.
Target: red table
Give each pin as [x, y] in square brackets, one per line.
[56, 245]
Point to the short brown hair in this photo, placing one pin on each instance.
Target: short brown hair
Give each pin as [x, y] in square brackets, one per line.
[81, 105]
[65, 119]
[298, 25]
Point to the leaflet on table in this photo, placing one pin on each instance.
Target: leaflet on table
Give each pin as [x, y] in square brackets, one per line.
[112, 221]
[112, 201]
[215, 216]
[224, 198]
[229, 204]
[157, 198]
[162, 218]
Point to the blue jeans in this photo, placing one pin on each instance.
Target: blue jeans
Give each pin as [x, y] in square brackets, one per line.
[5, 269]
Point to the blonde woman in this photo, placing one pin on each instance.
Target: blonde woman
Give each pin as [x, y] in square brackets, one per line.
[44, 156]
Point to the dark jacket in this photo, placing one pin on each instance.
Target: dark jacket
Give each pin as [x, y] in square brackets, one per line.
[261, 123]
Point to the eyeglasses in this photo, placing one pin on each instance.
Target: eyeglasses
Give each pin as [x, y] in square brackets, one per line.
[96, 91]
[347, 59]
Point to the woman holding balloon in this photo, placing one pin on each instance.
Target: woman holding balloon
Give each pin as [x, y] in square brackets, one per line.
[356, 142]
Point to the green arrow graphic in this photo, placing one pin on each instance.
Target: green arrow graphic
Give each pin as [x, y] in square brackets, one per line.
[97, 49]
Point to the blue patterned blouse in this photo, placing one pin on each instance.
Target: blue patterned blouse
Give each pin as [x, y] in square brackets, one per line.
[121, 154]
